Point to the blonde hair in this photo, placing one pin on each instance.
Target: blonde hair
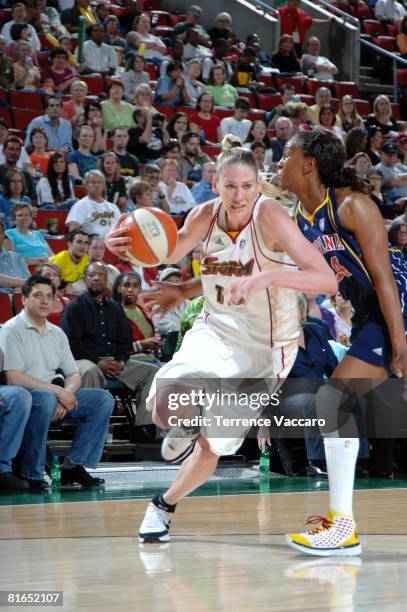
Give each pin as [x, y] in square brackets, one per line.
[230, 142]
[236, 155]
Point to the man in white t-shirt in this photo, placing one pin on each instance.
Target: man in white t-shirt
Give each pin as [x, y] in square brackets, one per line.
[93, 214]
[19, 15]
[237, 124]
[315, 65]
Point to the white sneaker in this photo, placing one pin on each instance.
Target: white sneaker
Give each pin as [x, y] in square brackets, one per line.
[155, 526]
[178, 443]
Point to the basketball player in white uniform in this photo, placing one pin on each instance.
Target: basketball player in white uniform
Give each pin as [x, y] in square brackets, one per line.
[244, 235]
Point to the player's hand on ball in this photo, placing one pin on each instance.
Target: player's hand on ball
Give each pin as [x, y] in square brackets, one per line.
[163, 294]
[117, 239]
[239, 292]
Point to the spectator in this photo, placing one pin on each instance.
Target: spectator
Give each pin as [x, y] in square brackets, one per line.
[323, 96]
[298, 113]
[259, 152]
[28, 243]
[73, 110]
[238, 124]
[247, 71]
[126, 290]
[130, 10]
[374, 143]
[151, 176]
[24, 162]
[222, 28]
[82, 160]
[58, 131]
[402, 38]
[193, 86]
[375, 179]
[389, 11]
[6, 67]
[129, 164]
[315, 65]
[15, 409]
[223, 93]
[203, 119]
[348, 114]
[26, 75]
[13, 269]
[100, 337]
[52, 271]
[97, 56]
[54, 190]
[50, 19]
[171, 150]
[179, 197]
[258, 133]
[285, 59]
[287, 95]
[102, 11]
[194, 14]
[112, 33]
[145, 140]
[12, 149]
[394, 174]
[96, 253]
[39, 156]
[144, 97]
[93, 118]
[134, 75]
[361, 164]
[398, 235]
[116, 193]
[192, 158]
[328, 120]
[221, 49]
[19, 15]
[14, 192]
[73, 261]
[382, 117]
[61, 75]
[70, 16]
[152, 47]
[178, 125]
[28, 341]
[141, 195]
[295, 22]
[170, 89]
[202, 191]
[284, 131]
[356, 141]
[116, 112]
[93, 213]
[176, 54]
[192, 47]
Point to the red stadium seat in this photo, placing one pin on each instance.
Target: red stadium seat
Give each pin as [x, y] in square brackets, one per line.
[386, 42]
[5, 15]
[396, 111]
[43, 217]
[56, 245]
[402, 77]
[268, 101]
[256, 114]
[363, 12]
[211, 150]
[392, 29]
[43, 61]
[373, 27]
[45, 44]
[343, 88]
[223, 112]
[6, 311]
[363, 107]
[160, 18]
[22, 117]
[152, 71]
[117, 10]
[3, 95]
[174, 19]
[17, 301]
[307, 99]
[311, 86]
[95, 84]
[79, 191]
[5, 114]
[296, 82]
[30, 100]
[168, 111]
[249, 96]
[163, 31]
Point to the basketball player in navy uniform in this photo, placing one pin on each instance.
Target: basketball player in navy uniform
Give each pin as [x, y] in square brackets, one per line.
[345, 226]
[244, 233]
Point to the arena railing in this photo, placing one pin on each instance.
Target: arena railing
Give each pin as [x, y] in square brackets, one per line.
[397, 63]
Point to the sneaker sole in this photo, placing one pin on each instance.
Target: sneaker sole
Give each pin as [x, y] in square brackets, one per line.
[183, 454]
[348, 551]
[154, 539]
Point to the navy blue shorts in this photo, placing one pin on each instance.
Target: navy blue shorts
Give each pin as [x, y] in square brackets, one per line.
[371, 343]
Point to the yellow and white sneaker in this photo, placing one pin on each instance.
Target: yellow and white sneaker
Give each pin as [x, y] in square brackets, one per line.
[336, 536]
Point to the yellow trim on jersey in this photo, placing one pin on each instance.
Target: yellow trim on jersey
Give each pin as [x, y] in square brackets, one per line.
[393, 250]
[233, 234]
[310, 218]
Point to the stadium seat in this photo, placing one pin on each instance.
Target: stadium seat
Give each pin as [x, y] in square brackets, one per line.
[268, 101]
[174, 19]
[163, 31]
[249, 96]
[5, 15]
[6, 311]
[152, 71]
[396, 111]
[296, 82]
[363, 12]
[45, 44]
[43, 216]
[373, 27]
[57, 244]
[26, 99]
[42, 60]
[79, 191]
[5, 114]
[17, 302]
[160, 18]
[392, 29]
[256, 114]
[95, 84]
[363, 107]
[223, 112]
[118, 11]
[22, 117]
[311, 86]
[168, 111]
[386, 42]
[212, 151]
[3, 95]
[343, 88]
[307, 99]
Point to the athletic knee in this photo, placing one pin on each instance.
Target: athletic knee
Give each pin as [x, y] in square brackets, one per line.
[204, 454]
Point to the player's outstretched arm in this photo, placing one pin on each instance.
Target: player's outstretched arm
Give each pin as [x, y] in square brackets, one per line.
[281, 234]
[168, 295]
[359, 215]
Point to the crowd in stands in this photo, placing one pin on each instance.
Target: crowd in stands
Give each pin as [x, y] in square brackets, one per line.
[136, 120]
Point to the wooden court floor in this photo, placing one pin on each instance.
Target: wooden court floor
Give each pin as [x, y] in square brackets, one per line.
[227, 554]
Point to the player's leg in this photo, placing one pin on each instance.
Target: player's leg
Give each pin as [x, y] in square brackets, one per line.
[337, 535]
[194, 471]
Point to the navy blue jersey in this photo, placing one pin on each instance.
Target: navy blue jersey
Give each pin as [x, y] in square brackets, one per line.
[340, 249]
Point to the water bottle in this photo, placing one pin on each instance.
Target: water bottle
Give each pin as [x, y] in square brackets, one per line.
[264, 463]
[55, 473]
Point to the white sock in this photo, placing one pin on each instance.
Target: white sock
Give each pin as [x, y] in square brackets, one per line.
[341, 455]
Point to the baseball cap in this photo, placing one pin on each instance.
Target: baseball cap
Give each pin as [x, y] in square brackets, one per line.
[167, 272]
[389, 148]
[195, 9]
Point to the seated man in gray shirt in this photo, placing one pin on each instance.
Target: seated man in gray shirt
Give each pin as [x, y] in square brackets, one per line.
[13, 269]
[34, 350]
[394, 174]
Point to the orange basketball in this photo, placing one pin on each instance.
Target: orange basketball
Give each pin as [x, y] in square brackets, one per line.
[153, 236]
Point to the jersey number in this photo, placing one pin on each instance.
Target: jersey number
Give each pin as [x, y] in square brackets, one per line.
[219, 294]
[340, 271]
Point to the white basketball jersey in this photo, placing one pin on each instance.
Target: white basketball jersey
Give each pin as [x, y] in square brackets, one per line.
[270, 319]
